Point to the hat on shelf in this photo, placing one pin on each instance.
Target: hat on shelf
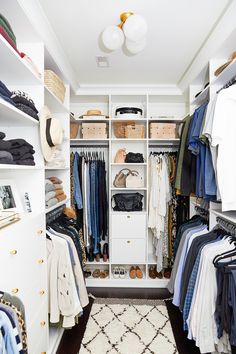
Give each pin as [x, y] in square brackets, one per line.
[93, 112]
[51, 133]
[224, 66]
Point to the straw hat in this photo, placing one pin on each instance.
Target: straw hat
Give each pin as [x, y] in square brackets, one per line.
[224, 66]
[51, 133]
[92, 112]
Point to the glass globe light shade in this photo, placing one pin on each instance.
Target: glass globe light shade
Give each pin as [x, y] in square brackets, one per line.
[113, 37]
[135, 47]
[135, 28]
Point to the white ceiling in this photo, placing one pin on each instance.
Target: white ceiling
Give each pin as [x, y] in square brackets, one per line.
[176, 31]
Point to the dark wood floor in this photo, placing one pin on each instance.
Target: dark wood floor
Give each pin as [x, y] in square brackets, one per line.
[71, 340]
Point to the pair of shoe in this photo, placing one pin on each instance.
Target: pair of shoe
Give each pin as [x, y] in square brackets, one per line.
[153, 273]
[97, 273]
[135, 272]
[119, 272]
[100, 254]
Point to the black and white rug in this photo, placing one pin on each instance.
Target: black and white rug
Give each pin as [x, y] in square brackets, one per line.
[127, 326]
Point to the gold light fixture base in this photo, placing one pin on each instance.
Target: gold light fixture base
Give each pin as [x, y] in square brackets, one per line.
[124, 16]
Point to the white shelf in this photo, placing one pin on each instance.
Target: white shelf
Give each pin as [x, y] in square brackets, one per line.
[13, 69]
[20, 167]
[53, 103]
[226, 75]
[175, 141]
[56, 168]
[87, 120]
[202, 97]
[129, 119]
[127, 283]
[174, 120]
[57, 205]
[228, 215]
[126, 139]
[128, 164]
[55, 335]
[89, 141]
[129, 189]
[129, 212]
[14, 117]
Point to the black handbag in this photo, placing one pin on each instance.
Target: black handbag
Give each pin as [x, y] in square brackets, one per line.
[133, 157]
[129, 110]
[128, 202]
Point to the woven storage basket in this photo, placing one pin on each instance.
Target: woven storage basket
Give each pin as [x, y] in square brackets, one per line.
[136, 131]
[54, 84]
[94, 131]
[74, 129]
[163, 130]
[119, 128]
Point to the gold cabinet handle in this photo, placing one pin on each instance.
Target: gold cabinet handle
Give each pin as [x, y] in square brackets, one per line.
[40, 261]
[15, 290]
[128, 241]
[42, 323]
[42, 292]
[40, 232]
[128, 216]
[13, 252]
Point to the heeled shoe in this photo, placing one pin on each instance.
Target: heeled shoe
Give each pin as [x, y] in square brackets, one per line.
[105, 252]
[98, 255]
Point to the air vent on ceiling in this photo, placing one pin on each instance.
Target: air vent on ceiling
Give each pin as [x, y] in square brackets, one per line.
[102, 62]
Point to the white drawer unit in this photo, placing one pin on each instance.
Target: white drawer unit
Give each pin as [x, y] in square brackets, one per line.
[129, 224]
[128, 250]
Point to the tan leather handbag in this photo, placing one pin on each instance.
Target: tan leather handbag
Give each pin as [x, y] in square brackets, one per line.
[120, 156]
[120, 178]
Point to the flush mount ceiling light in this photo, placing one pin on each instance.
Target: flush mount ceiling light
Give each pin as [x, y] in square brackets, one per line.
[132, 30]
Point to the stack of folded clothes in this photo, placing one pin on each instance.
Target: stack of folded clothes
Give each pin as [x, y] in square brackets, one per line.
[7, 32]
[24, 103]
[53, 191]
[16, 151]
[5, 94]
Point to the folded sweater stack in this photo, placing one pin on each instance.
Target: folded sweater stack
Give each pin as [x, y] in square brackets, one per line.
[16, 151]
[20, 100]
[53, 191]
[7, 32]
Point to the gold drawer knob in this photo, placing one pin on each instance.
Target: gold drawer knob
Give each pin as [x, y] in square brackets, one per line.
[15, 291]
[42, 292]
[40, 261]
[42, 323]
[128, 241]
[13, 252]
[40, 232]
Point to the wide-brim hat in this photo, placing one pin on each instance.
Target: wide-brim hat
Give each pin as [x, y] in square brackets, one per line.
[224, 66]
[93, 112]
[51, 133]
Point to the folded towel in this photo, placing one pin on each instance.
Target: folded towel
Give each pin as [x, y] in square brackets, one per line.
[58, 186]
[49, 195]
[51, 202]
[61, 197]
[58, 192]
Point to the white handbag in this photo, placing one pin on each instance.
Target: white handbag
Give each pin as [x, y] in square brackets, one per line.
[134, 180]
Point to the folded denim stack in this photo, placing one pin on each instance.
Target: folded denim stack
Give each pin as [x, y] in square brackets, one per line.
[5, 94]
[57, 159]
[23, 102]
[7, 32]
[53, 192]
[16, 151]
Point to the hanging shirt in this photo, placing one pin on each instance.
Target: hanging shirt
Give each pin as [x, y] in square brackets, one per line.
[224, 136]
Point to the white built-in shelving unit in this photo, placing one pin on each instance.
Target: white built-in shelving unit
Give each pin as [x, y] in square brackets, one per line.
[23, 244]
[131, 244]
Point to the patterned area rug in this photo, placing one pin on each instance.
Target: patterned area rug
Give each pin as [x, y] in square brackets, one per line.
[125, 326]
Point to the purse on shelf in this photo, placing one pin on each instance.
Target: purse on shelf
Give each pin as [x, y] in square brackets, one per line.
[127, 202]
[134, 180]
[120, 178]
[133, 157]
[120, 156]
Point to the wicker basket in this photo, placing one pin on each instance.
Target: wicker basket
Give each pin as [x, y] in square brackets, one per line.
[74, 129]
[54, 84]
[163, 131]
[136, 131]
[94, 131]
[119, 128]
